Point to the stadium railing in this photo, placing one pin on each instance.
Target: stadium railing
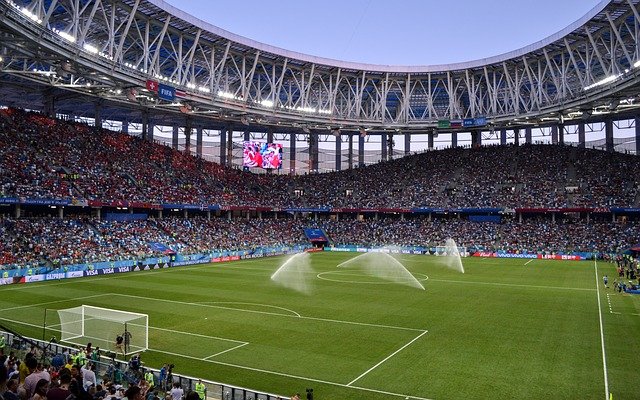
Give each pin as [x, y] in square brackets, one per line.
[215, 390]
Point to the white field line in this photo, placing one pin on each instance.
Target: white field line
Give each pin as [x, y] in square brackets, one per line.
[52, 302]
[264, 371]
[32, 285]
[225, 351]
[604, 354]
[270, 313]
[199, 335]
[250, 304]
[155, 328]
[388, 357]
[512, 285]
[528, 262]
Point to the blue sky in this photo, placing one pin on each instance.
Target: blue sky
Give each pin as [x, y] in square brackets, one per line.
[402, 32]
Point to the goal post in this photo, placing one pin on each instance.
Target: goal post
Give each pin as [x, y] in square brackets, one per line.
[101, 326]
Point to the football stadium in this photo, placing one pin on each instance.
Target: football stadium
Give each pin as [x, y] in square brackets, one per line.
[186, 213]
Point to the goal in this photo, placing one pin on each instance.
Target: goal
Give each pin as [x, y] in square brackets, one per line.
[451, 251]
[100, 327]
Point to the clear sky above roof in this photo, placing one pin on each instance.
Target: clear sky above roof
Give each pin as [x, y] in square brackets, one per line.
[402, 32]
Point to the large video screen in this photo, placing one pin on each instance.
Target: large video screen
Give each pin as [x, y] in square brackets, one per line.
[262, 155]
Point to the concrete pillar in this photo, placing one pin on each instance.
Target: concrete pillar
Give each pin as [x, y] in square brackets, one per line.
[588, 217]
[199, 141]
[553, 217]
[260, 215]
[292, 153]
[503, 137]
[60, 212]
[384, 144]
[407, 143]
[401, 216]
[185, 214]
[554, 134]
[125, 127]
[608, 134]
[527, 135]
[99, 213]
[454, 139]
[160, 214]
[581, 136]
[223, 146]
[247, 135]
[516, 136]
[208, 215]
[360, 151]
[338, 153]
[561, 134]
[520, 217]
[174, 139]
[429, 217]
[229, 213]
[430, 137]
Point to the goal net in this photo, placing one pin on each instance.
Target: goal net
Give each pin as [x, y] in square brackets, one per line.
[451, 251]
[101, 326]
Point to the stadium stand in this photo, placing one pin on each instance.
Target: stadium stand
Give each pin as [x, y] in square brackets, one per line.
[44, 158]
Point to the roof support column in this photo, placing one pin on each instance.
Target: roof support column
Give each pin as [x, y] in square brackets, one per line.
[527, 135]
[581, 137]
[554, 134]
[338, 153]
[230, 146]
[608, 134]
[503, 136]
[199, 141]
[384, 144]
[454, 139]
[174, 138]
[187, 136]
[407, 143]
[223, 145]
[361, 151]
[476, 138]
[292, 152]
[350, 156]
[313, 152]
[637, 121]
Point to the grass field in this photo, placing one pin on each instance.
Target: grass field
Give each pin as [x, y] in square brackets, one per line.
[505, 329]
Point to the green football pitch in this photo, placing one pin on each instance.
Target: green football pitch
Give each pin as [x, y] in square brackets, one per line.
[505, 329]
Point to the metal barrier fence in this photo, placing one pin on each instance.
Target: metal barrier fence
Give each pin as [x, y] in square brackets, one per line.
[121, 373]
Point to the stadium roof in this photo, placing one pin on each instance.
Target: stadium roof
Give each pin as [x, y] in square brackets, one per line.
[84, 53]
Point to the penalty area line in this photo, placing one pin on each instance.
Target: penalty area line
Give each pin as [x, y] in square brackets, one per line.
[264, 371]
[225, 351]
[388, 357]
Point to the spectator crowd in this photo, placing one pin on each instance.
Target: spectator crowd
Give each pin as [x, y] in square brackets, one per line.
[45, 158]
